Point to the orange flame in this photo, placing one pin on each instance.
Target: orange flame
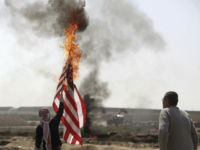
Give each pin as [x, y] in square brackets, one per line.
[91, 136]
[72, 51]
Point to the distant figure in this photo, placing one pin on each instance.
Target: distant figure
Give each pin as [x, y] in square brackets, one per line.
[48, 129]
[176, 129]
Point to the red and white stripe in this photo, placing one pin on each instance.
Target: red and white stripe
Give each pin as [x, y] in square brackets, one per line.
[74, 115]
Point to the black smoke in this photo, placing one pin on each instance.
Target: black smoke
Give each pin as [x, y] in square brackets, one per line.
[90, 104]
[94, 87]
[94, 92]
[49, 19]
[119, 28]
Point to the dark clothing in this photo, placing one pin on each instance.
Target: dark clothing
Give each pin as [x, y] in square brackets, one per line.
[53, 125]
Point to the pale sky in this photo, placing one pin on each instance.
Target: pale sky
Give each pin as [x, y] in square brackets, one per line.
[135, 79]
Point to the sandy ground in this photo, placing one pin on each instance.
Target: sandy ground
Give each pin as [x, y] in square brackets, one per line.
[27, 143]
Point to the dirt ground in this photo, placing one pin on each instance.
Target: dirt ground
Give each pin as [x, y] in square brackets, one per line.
[27, 143]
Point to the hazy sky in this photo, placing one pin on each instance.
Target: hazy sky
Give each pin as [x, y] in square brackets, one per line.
[137, 76]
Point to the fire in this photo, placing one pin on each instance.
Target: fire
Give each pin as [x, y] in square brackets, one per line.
[72, 50]
[93, 136]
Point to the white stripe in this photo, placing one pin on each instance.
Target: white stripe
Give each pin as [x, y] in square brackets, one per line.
[57, 102]
[59, 88]
[70, 137]
[61, 79]
[64, 71]
[71, 123]
[69, 90]
[71, 108]
[65, 129]
[77, 142]
[79, 108]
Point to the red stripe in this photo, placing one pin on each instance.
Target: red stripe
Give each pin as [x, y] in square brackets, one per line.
[71, 115]
[82, 105]
[63, 72]
[70, 99]
[73, 141]
[55, 107]
[58, 94]
[60, 83]
[69, 128]
[54, 103]
[66, 135]
[78, 138]
[61, 78]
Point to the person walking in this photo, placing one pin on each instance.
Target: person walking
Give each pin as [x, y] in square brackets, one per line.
[176, 129]
[48, 130]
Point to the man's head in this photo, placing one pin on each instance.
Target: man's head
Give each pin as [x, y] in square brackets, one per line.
[170, 99]
[44, 114]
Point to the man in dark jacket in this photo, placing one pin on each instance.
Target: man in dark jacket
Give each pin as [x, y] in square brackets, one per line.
[48, 130]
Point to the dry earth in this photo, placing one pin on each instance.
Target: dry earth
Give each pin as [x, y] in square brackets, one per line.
[27, 143]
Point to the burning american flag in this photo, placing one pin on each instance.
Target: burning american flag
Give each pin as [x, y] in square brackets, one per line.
[74, 108]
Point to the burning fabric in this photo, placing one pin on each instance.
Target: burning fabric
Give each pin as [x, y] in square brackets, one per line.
[74, 108]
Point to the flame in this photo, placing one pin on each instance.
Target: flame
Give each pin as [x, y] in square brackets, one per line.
[93, 136]
[72, 51]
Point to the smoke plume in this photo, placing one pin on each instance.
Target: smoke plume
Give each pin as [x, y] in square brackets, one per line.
[90, 104]
[94, 87]
[119, 28]
[53, 18]
[94, 92]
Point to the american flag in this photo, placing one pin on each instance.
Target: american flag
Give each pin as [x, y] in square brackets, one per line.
[74, 115]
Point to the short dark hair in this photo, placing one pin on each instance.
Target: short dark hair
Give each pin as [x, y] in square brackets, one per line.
[172, 97]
